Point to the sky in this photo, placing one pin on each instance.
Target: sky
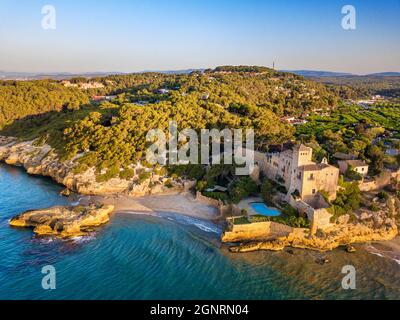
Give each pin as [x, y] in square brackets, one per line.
[132, 35]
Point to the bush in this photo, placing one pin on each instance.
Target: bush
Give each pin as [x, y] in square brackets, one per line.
[201, 185]
[383, 195]
[267, 191]
[291, 221]
[190, 171]
[127, 174]
[242, 188]
[241, 220]
[353, 175]
[348, 199]
[374, 207]
[216, 195]
[168, 184]
[143, 176]
[80, 168]
[112, 172]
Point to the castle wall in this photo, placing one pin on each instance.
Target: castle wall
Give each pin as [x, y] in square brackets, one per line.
[321, 180]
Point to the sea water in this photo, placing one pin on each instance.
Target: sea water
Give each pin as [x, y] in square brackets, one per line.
[170, 256]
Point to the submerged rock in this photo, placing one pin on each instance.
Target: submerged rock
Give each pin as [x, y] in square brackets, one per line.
[322, 261]
[65, 193]
[350, 249]
[64, 222]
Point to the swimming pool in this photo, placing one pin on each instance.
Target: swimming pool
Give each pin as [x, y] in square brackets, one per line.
[264, 210]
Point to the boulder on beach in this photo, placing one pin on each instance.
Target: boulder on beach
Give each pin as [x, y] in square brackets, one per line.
[64, 222]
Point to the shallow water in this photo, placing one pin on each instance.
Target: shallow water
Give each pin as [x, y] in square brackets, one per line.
[168, 256]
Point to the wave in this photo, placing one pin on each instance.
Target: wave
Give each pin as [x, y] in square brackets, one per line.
[203, 225]
[83, 239]
[378, 254]
[383, 254]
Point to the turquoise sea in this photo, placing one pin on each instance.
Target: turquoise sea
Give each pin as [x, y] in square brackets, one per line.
[170, 257]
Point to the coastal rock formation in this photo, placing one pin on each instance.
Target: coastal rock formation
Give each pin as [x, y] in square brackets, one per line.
[64, 222]
[337, 235]
[43, 160]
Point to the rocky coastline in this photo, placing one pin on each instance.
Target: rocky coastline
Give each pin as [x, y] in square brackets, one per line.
[338, 235]
[43, 160]
[64, 222]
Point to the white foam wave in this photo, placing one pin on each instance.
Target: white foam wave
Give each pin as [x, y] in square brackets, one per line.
[378, 254]
[200, 224]
[83, 239]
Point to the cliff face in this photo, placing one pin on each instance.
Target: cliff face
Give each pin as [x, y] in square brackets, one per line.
[337, 235]
[42, 160]
[64, 222]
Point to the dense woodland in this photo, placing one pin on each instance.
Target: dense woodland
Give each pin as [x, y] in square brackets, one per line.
[19, 99]
[353, 87]
[111, 134]
[114, 132]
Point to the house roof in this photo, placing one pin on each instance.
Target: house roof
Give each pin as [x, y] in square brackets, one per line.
[314, 167]
[344, 156]
[356, 163]
[303, 148]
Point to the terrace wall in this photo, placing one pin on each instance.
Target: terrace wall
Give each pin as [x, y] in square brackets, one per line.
[256, 231]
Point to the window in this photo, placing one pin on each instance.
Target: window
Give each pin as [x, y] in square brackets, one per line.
[313, 191]
[312, 176]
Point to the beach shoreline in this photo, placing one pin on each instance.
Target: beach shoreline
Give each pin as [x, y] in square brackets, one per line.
[181, 204]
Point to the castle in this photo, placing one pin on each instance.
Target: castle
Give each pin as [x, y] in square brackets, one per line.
[291, 165]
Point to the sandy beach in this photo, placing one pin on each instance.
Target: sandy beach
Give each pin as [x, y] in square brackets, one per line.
[185, 204]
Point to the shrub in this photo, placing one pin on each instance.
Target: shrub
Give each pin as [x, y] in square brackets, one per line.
[383, 195]
[216, 195]
[168, 183]
[267, 191]
[127, 174]
[242, 188]
[201, 185]
[143, 176]
[241, 220]
[374, 207]
[353, 175]
[80, 168]
[112, 172]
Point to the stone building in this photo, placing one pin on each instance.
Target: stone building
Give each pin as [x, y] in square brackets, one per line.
[356, 165]
[291, 165]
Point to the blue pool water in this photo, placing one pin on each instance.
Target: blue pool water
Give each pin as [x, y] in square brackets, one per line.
[263, 209]
[167, 257]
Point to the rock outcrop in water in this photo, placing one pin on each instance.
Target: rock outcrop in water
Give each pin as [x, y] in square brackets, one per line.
[64, 222]
[337, 235]
[43, 160]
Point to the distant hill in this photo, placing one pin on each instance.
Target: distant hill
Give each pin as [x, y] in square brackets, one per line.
[318, 74]
[51, 75]
[385, 74]
[67, 75]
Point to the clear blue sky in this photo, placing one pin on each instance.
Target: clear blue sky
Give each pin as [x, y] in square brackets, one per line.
[178, 34]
